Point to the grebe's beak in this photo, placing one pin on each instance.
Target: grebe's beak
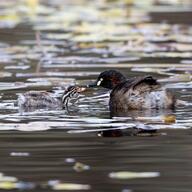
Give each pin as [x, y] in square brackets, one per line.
[92, 85]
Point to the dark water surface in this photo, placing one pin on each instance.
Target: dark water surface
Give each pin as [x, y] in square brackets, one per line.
[56, 44]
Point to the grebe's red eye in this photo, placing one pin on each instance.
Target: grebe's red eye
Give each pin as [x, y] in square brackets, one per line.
[114, 79]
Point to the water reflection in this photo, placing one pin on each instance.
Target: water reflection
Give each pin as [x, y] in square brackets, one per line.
[144, 131]
[142, 113]
[110, 133]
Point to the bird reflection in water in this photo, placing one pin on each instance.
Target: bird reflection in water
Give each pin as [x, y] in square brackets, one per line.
[144, 121]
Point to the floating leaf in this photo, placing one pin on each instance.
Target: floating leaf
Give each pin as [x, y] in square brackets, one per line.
[133, 175]
[7, 185]
[20, 154]
[169, 119]
[70, 160]
[71, 186]
[9, 179]
[164, 118]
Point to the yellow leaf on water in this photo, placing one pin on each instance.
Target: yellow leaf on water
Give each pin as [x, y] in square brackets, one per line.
[133, 175]
[7, 185]
[169, 119]
[71, 186]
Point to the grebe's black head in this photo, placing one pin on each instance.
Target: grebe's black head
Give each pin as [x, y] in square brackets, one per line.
[109, 79]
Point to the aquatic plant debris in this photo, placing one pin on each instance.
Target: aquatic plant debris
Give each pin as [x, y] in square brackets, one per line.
[79, 167]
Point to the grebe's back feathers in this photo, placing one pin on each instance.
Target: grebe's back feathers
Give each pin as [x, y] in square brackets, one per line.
[37, 99]
[139, 85]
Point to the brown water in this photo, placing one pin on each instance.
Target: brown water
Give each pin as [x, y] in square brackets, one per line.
[57, 44]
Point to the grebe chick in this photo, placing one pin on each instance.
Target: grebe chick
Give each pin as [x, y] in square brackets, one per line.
[43, 99]
[134, 93]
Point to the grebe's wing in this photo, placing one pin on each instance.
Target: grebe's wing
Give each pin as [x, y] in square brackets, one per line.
[137, 85]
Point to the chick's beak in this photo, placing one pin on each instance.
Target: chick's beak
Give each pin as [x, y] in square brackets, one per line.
[81, 89]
